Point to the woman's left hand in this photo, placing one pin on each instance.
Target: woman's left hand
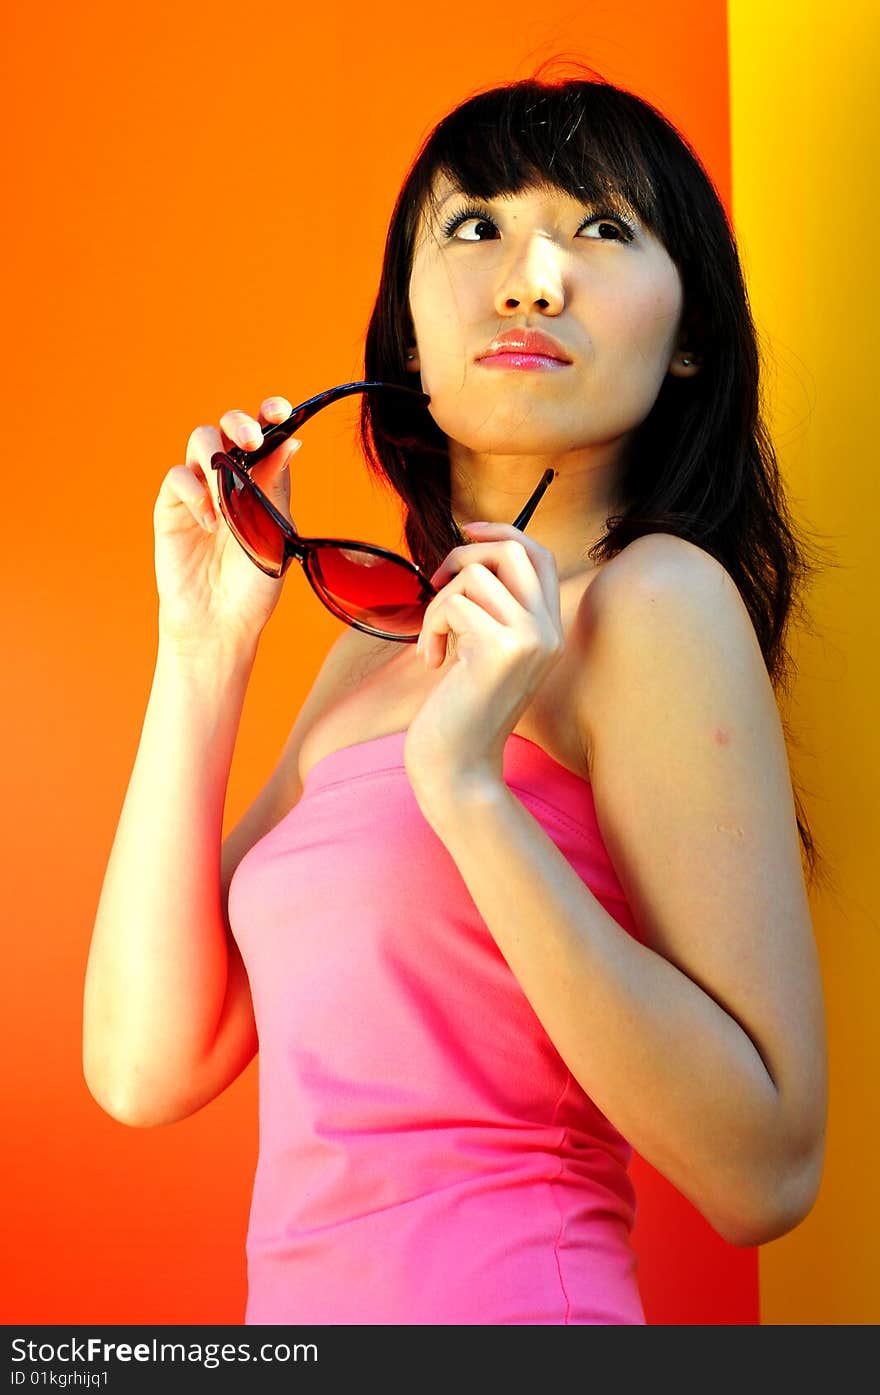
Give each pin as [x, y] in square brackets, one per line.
[498, 608]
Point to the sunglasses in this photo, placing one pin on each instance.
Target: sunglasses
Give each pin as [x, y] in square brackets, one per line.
[367, 586]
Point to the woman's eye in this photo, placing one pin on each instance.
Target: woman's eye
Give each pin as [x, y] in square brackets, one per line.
[601, 221]
[460, 220]
[476, 222]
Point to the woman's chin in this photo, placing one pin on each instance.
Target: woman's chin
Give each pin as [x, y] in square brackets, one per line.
[521, 438]
[520, 424]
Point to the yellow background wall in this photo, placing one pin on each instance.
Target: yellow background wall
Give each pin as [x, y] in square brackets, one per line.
[805, 127]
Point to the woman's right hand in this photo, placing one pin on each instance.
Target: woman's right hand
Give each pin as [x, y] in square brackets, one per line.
[209, 589]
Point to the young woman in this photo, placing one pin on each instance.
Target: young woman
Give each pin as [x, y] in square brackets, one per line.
[526, 894]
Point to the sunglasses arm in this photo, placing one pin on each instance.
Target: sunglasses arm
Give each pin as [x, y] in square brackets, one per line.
[280, 431]
[523, 517]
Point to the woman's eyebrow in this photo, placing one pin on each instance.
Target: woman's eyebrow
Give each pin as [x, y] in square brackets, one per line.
[450, 194]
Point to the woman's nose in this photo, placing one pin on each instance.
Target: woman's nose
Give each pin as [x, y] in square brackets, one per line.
[532, 278]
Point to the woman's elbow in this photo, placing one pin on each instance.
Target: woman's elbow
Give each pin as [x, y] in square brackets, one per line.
[777, 1207]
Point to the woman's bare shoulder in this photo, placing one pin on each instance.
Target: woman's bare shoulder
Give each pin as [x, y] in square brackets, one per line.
[652, 556]
[649, 564]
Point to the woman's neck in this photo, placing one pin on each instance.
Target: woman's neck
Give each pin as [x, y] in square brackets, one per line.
[570, 516]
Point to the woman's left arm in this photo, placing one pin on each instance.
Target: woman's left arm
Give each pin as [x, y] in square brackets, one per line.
[705, 1046]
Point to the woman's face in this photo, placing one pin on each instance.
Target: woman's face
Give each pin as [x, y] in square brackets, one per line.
[540, 259]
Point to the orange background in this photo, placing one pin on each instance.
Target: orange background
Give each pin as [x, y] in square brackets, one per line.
[200, 203]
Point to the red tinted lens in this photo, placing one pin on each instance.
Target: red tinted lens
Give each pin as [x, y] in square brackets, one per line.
[372, 589]
[252, 525]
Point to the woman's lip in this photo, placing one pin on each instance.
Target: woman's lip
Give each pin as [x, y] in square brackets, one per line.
[515, 358]
[520, 340]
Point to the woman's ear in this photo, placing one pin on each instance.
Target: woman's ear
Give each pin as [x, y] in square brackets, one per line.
[412, 359]
[684, 364]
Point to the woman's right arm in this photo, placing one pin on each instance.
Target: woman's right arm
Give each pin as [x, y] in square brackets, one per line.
[167, 1020]
[156, 979]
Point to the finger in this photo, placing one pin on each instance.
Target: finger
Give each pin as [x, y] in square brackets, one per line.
[240, 429]
[271, 473]
[203, 442]
[513, 564]
[274, 410]
[477, 584]
[183, 490]
[472, 626]
[482, 585]
[530, 628]
[237, 428]
[541, 557]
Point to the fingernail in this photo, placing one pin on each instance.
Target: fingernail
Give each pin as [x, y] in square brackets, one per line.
[482, 524]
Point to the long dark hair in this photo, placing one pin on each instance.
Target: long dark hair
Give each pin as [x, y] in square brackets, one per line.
[702, 464]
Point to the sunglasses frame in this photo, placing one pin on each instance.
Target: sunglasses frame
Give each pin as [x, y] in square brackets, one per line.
[301, 548]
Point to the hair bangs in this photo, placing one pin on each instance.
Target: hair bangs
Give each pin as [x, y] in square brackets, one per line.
[526, 136]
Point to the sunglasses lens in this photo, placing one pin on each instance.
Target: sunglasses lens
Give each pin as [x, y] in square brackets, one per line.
[254, 528]
[371, 589]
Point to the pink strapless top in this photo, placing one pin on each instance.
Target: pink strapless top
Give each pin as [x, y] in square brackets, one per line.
[425, 1156]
